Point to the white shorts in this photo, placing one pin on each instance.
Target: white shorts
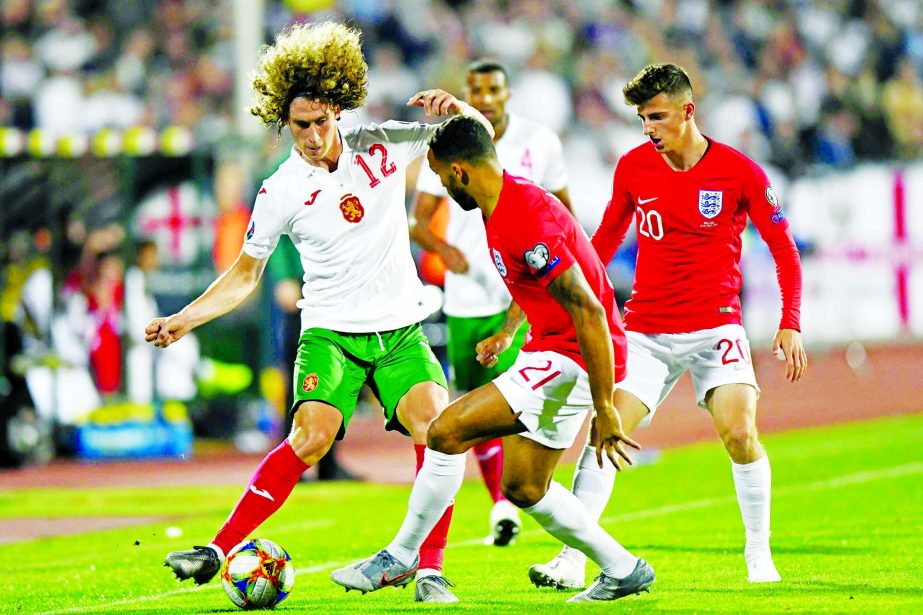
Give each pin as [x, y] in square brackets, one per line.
[553, 394]
[713, 356]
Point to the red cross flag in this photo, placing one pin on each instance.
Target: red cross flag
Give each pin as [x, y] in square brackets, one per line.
[180, 220]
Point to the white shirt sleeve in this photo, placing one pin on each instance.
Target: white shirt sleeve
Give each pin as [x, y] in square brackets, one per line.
[266, 226]
[555, 177]
[413, 135]
[429, 182]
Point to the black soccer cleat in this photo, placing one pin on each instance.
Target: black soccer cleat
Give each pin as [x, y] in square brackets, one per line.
[200, 564]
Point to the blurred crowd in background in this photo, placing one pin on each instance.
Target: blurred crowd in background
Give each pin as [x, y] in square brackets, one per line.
[795, 82]
[801, 86]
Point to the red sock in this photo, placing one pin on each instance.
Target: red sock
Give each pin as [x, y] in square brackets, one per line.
[433, 548]
[270, 486]
[490, 457]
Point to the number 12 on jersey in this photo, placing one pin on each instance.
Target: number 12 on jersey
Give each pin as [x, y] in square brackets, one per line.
[386, 167]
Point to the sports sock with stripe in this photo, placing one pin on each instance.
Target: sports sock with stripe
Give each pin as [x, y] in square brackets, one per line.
[269, 487]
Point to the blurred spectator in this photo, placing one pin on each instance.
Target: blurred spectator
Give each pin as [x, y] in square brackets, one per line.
[233, 213]
[132, 65]
[105, 293]
[140, 309]
[902, 100]
[58, 103]
[835, 135]
[19, 79]
[67, 46]
[389, 81]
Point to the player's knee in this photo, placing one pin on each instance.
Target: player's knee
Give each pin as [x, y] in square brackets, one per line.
[443, 437]
[739, 440]
[523, 493]
[311, 439]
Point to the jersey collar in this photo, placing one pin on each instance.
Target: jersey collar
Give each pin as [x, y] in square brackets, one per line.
[345, 155]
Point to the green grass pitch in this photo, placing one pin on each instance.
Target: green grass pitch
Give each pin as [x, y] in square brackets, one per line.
[847, 538]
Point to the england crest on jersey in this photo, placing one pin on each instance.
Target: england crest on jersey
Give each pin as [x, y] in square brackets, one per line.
[498, 261]
[710, 202]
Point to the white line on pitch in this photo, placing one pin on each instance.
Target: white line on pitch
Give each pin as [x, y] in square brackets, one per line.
[833, 483]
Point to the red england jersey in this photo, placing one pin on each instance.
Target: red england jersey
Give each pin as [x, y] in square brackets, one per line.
[689, 228]
[532, 240]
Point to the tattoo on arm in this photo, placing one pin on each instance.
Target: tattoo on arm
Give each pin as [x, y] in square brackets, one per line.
[571, 289]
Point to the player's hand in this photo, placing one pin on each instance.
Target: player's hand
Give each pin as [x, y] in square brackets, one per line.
[787, 344]
[453, 258]
[437, 102]
[165, 331]
[607, 436]
[489, 348]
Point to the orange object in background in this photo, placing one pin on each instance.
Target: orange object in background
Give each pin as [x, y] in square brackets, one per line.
[432, 268]
[230, 227]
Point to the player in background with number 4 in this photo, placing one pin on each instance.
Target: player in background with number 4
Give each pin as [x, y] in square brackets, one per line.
[569, 365]
[691, 197]
[476, 298]
[340, 197]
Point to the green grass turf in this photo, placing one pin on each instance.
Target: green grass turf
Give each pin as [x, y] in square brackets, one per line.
[847, 538]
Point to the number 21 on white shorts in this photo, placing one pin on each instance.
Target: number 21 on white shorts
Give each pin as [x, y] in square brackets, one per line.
[553, 393]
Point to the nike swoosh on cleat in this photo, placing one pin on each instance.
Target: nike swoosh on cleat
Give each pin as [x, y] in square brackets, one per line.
[643, 201]
[385, 581]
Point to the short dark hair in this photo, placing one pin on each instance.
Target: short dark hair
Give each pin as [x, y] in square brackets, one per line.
[655, 79]
[487, 65]
[462, 138]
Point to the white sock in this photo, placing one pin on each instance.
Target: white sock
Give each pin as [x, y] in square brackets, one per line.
[593, 487]
[428, 572]
[753, 482]
[566, 518]
[436, 484]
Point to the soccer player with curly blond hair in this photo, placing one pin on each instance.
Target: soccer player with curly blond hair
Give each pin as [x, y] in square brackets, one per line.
[340, 197]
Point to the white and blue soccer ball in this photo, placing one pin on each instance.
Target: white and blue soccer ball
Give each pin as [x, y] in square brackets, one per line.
[258, 574]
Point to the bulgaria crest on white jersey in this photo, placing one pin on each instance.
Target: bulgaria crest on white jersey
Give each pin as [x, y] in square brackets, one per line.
[710, 202]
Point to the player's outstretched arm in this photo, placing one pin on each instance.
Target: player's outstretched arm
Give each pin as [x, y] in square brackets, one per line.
[224, 294]
[571, 290]
[440, 102]
[424, 207]
[787, 344]
[489, 349]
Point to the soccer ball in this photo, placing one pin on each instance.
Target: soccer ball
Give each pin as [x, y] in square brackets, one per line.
[258, 574]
